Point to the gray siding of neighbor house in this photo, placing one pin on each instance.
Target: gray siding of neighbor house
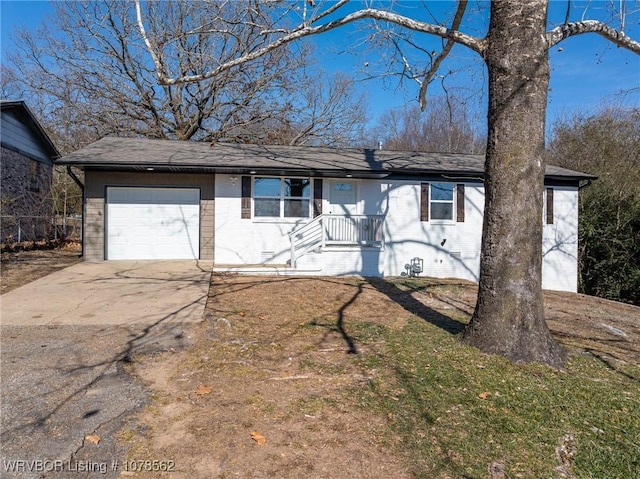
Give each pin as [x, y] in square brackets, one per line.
[96, 183]
[18, 136]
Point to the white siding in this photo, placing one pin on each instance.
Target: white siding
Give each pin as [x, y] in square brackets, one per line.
[247, 241]
[448, 249]
[560, 242]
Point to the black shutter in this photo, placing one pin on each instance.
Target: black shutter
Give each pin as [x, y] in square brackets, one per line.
[246, 198]
[424, 201]
[460, 203]
[549, 206]
[317, 197]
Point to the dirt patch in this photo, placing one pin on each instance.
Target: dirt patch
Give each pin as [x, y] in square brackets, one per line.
[271, 364]
[21, 267]
[268, 389]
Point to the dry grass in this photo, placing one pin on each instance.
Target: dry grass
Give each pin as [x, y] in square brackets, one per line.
[364, 378]
[24, 266]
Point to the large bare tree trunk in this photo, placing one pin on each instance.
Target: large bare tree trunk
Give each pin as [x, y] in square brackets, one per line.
[509, 318]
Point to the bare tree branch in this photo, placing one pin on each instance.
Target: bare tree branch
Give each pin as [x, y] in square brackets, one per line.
[435, 65]
[448, 126]
[143, 33]
[304, 30]
[309, 27]
[572, 29]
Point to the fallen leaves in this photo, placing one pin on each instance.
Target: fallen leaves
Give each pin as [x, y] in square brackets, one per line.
[93, 439]
[484, 395]
[202, 390]
[259, 438]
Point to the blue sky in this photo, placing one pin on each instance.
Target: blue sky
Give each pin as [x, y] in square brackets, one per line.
[587, 71]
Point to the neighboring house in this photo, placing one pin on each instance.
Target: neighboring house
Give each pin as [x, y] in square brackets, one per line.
[26, 162]
[305, 210]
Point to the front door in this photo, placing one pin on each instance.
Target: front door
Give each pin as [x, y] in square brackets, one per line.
[343, 198]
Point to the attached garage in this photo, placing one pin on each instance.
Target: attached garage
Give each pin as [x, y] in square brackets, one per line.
[149, 215]
[152, 223]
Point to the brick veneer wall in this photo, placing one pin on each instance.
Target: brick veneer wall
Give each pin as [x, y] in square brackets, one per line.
[17, 197]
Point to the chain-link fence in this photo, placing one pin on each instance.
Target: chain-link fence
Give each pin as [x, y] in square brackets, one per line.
[16, 229]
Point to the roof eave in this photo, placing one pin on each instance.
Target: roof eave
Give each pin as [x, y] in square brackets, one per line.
[452, 175]
[236, 170]
[571, 180]
[27, 115]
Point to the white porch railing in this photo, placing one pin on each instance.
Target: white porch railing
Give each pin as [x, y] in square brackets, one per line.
[356, 230]
[306, 238]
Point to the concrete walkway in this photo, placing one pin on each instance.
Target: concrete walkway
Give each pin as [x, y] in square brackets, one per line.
[67, 341]
[111, 293]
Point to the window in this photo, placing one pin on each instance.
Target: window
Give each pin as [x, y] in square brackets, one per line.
[266, 193]
[441, 204]
[343, 187]
[281, 197]
[34, 175]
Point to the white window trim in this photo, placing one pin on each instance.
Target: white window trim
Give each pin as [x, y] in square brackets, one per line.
[453, 202]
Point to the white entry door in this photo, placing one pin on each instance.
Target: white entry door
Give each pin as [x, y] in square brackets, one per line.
[153, 223]
[343, 198]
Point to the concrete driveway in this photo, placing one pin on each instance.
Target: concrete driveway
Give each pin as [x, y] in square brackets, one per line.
[112, 292]
[66, 345]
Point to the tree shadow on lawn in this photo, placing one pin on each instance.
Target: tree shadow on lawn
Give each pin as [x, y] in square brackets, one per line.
[412, 305]
[581, 328]
[231, 287]
[576, 328]
[383, 286]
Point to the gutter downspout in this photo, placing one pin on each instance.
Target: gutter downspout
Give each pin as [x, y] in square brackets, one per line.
[584, 185]
[81, 185]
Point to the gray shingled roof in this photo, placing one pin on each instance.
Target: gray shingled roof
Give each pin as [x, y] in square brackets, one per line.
[162, 155]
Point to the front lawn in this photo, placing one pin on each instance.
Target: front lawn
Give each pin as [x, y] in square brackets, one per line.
[365, 378]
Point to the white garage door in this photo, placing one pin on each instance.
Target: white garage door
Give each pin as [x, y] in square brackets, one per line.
[153, 223]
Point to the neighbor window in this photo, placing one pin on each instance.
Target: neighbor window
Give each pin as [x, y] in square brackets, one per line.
[34, 175]
[281, 197]
[441, 201]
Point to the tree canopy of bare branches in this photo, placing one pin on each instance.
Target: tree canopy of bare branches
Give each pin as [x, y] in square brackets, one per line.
[447, 125]
[88, 73]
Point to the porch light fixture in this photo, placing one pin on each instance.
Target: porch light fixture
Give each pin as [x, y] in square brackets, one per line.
[150, 168]
[349, 175]
[233, 179]
[252, 172]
